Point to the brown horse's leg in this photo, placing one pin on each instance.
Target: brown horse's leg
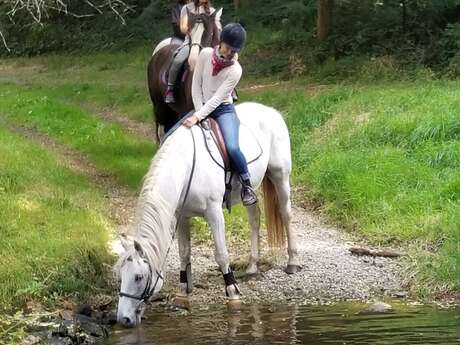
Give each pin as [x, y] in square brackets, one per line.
[164, 115]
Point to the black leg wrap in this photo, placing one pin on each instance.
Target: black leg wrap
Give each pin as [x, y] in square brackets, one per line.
[183, 277]
[186, 278]
[229, 278]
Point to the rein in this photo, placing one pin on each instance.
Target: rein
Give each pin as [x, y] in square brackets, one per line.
[148, 290]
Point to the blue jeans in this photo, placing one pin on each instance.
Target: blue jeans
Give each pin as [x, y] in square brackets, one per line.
[229, 124]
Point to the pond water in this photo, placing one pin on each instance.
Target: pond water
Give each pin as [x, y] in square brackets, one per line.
[294, 324]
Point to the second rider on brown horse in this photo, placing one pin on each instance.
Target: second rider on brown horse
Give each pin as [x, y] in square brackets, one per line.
[181, 54]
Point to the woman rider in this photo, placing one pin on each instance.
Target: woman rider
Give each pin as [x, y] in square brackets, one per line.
[175, 20]
[181, 54]
[216, 74]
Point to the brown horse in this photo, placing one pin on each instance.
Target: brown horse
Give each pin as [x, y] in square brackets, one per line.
[204, 33]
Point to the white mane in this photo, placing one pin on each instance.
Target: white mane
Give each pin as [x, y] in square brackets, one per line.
[155, 216]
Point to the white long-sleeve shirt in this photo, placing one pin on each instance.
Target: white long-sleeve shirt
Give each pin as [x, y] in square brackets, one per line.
[208, 91]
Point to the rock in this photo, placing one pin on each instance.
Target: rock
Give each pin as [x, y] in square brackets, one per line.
[101, 302]
[84, 309]
[109, 319]
[378, 307]
[55, 340]
[31, 340]
[93, 329]
[401, 294]
[64, 328]
[66, 315]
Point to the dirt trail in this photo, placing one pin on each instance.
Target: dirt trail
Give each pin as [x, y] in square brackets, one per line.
[330, 273]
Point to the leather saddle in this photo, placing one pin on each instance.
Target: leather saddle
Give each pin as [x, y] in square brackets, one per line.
[215, 145]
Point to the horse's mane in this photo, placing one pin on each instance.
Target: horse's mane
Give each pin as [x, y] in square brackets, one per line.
[155, 218]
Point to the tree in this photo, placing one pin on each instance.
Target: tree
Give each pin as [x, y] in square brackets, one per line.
[39, 11]
[324, 18]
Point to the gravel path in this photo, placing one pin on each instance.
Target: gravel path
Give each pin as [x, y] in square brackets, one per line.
[330, 273]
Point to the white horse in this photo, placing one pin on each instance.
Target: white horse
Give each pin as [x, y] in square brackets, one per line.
[184, 180]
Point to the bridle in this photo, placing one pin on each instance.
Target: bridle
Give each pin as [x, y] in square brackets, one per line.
[149, 290]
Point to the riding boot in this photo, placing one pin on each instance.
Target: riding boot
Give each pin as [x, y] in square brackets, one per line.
[248, 195]
[169, 95]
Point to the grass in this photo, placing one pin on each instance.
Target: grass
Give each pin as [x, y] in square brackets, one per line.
[114, 151]
[104, 80]
[54, 227]
[380, 152]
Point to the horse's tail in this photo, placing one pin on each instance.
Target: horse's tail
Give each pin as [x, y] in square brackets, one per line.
[276, 228]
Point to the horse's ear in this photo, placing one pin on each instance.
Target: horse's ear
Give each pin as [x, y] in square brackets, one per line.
[218, 13]
[138, 248]
[125, 241]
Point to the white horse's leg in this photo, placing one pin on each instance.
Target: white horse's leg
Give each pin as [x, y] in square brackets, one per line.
[183, 238]
[254, 221]
[283, 191]
[215, 217]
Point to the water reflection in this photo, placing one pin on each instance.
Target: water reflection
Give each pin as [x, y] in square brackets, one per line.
[292, 324]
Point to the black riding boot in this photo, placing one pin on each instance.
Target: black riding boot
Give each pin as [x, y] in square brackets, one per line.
[248, 194]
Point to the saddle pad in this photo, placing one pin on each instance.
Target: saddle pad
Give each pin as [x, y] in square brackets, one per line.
[251, 148]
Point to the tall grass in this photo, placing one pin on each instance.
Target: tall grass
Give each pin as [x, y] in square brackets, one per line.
[384, 161]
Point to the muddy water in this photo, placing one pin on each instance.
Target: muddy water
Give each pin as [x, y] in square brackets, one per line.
[294, 324]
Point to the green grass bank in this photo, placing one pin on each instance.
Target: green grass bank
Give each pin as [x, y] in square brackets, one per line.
[54, 227]
[384, 160]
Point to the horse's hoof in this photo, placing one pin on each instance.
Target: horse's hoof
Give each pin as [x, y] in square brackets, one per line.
[291, 269]
[234, 305]
[252, 271]
[182, 302]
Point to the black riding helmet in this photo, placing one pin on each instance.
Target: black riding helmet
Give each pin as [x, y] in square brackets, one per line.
[234, 35]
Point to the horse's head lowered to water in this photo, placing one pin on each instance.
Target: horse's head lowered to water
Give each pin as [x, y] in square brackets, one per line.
[138, 282]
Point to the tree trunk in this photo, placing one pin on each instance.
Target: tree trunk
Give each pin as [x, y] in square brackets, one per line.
[324, 20]
[236, 4]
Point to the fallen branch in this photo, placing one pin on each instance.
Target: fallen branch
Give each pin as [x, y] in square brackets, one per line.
[383, 253]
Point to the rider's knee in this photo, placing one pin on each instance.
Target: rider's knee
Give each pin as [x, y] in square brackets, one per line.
[233, 150]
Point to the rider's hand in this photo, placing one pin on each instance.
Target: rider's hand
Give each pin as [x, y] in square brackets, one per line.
[191, 121]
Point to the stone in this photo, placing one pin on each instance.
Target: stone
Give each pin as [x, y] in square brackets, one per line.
[93, 329]
[401, 294]
[377, 308]
[55, 340]
[31, 340]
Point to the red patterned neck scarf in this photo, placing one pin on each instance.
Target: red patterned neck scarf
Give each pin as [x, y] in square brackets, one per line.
[218, 62]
